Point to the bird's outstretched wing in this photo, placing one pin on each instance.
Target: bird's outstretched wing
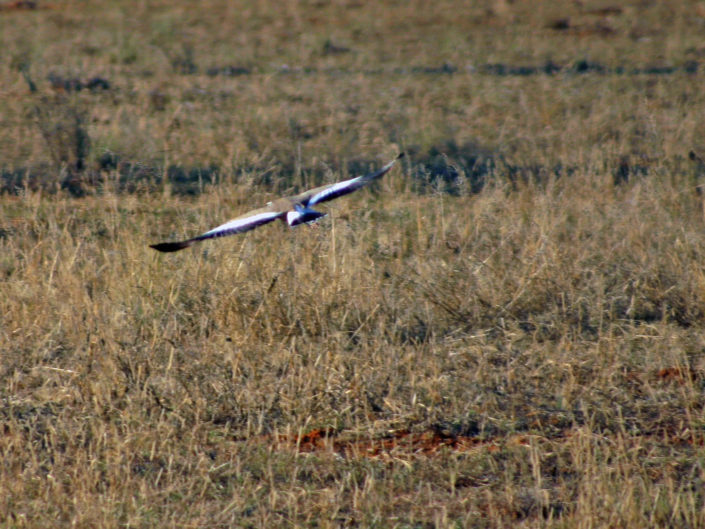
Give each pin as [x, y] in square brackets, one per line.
[279, 209]
[246, 222]
[332, 191]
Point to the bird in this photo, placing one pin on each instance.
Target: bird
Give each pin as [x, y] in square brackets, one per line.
[293, 210]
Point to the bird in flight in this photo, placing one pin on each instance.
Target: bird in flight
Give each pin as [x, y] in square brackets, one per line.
[294, 210]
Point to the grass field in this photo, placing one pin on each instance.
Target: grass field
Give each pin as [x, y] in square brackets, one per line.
[508, 330]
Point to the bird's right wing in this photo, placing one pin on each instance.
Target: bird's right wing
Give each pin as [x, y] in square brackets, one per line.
[246, 222]
[241, 224]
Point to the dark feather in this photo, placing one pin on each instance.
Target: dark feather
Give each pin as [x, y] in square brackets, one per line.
[171, 246]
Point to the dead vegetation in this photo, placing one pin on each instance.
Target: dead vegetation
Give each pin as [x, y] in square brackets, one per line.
[508, 330]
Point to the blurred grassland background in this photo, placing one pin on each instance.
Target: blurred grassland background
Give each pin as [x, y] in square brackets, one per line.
[507, 330]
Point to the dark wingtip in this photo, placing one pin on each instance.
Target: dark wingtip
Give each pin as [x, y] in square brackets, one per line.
[171, 246]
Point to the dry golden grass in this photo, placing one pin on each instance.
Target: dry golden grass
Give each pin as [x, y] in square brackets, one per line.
[531, 354]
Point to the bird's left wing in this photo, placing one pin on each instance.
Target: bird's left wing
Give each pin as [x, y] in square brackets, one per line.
[332, 191]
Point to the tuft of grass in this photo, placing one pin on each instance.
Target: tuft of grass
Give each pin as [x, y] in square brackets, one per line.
[63, 126]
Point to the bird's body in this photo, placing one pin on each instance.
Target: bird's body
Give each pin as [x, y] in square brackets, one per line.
[293, 210]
